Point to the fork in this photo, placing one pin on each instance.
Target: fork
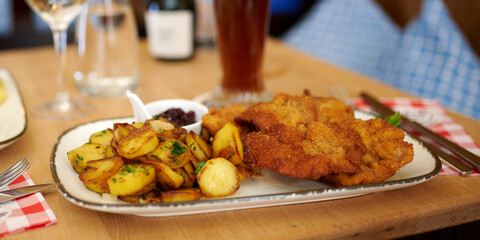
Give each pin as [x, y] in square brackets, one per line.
[14, 172]
[339, 91]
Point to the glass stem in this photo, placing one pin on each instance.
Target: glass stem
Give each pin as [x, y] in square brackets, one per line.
[62, 102]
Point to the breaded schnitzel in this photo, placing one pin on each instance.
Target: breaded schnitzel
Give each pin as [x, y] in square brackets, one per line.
[386, 153]
[289, 151]
[295, 111]
[318, 138]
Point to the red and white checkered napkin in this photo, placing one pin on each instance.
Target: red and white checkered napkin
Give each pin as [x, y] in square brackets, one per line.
[430, 114]
[24, 213]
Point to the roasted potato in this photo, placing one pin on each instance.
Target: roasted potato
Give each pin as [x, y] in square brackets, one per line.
[228, 144]
[78, 157]
[103, 137]
[171, 152]
[120, 130]
[199, 148]
[244, 172]
[218, 178]
[181, 195]
[166, 177]
[97, 172]
[132, 179]
[110, 151]
[188, 174]
[161, 126]
[138, 142]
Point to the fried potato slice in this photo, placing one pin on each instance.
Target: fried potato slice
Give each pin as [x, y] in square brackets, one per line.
[166, 177]
[103, 137]
[199, 148]
[110, 151]
[138, 142]
[215, 119]
[120, 130]
[132, 179]
[172, 153]
[228, 144]
[188, 174]
[181, 195]
[97, 172]
[218, 178]
[161, 126]
[78, 157]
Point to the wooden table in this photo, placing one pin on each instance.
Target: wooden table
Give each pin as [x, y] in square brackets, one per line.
[441, 202]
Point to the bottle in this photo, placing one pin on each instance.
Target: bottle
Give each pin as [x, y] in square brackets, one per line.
[170, 29]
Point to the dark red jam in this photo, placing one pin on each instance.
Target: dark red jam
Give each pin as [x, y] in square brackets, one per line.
[178, 116]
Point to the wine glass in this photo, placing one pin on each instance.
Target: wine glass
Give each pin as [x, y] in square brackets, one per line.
[58, 14]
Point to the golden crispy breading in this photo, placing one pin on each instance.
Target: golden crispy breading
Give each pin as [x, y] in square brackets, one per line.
[296, 111]
[215, 119]
[386, 153]
[312, 138]
[288, 151]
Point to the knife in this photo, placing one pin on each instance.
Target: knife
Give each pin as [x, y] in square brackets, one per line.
[411, 126]
[23, 191]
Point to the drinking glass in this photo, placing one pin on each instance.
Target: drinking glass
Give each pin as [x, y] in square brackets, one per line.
[242, 27]
[107, 49]
[58, 14]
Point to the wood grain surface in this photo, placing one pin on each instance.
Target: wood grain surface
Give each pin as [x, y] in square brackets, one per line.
[441, 202]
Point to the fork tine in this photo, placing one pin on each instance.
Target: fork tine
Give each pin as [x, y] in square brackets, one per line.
[14, 173]
[338, 91]
[12, 168]
[14, 176]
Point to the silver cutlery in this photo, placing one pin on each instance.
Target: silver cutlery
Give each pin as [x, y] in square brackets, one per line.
[14, 172]
[23, 191]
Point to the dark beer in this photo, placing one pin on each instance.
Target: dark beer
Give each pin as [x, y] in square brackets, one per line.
[242, 27]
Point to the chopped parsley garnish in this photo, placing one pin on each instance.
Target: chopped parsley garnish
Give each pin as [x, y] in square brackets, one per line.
[394, 119]
[178, 149]
[79, 158]
[155, 156]
[231, 155]
[200, 165]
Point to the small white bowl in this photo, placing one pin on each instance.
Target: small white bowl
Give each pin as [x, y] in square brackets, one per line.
[199, 109]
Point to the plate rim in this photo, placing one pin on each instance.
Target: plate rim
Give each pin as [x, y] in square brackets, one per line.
[9, 77]
[138, 208]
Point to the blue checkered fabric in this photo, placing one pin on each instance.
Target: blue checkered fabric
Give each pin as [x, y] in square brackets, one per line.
[349, 34]
[430, 58]
[433, 60]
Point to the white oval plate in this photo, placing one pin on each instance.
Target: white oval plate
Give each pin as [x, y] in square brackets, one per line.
[269, 189]
[13, 118]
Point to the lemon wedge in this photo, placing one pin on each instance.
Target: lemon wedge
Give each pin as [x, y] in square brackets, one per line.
[3, 92]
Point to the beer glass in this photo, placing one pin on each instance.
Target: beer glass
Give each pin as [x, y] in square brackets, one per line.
[242, 28]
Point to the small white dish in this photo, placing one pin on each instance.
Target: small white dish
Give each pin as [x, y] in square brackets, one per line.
[199, 109]
[13, 117]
